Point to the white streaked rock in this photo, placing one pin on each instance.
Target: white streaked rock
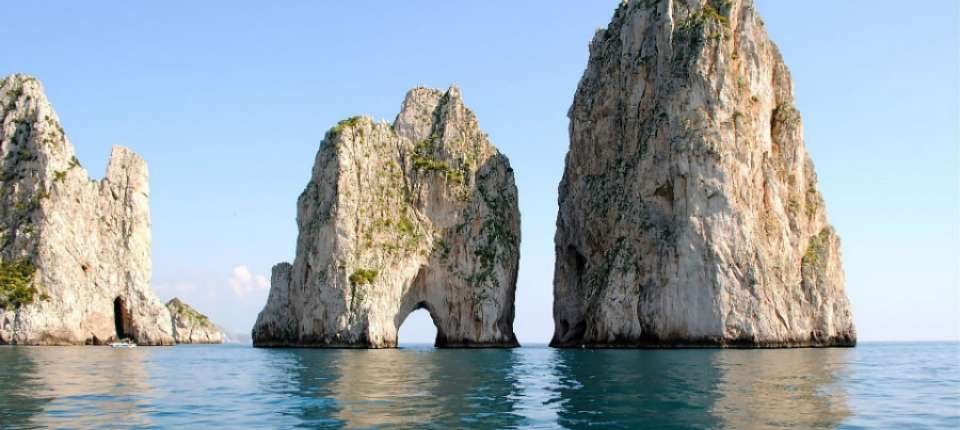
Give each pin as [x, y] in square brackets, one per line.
[689, 209]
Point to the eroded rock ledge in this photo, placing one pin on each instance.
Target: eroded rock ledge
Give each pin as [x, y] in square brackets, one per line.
[690, 213]
[418, 214]
[74, 252]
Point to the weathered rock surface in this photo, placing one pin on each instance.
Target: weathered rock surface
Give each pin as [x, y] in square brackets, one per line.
[75, 252]
[689, 209]
[190, 326]
[418, 214]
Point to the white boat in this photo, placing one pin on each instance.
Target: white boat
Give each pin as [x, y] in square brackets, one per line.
[124, 343]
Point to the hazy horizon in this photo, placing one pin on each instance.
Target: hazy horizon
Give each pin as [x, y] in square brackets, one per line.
[228, 103]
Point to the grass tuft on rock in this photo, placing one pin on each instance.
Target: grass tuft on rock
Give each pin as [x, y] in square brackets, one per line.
[342, 125]
[16, 284]
[363, 276]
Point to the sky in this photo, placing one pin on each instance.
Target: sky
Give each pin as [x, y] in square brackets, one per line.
[228, 102]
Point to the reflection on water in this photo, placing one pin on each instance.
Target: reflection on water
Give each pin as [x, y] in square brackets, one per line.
[237, 387]
[782, 388]
[43, 384]
[632, 389]
[408, 388]
[18, 387]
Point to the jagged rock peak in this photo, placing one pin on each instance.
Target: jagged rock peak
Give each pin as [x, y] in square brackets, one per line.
[420, 214]
[690, 212]
[74, 253]
[190, 326]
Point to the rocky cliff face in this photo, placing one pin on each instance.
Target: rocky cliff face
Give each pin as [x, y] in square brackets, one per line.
[190, 326]
[689, 209]
[418, 214]
[75, 252]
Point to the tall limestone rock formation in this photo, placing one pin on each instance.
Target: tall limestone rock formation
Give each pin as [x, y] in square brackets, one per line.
[689, 209]
[74, 253]
[190, 326]
[418, 214]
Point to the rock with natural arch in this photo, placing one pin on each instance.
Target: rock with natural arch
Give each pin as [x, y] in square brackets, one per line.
[418, 214]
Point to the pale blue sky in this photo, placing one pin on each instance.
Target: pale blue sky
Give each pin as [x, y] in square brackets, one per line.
[228, 102]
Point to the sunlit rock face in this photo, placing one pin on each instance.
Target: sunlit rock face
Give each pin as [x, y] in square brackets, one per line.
[690, 213]
[81, 247]
[418, 214]
[190, 326]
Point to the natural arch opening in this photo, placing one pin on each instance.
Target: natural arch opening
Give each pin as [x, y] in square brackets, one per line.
[121, 319]
[417, 330]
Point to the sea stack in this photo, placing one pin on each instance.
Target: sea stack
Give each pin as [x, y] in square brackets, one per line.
[74, 252]
[690, 213]
[418, 214]
[190, 326]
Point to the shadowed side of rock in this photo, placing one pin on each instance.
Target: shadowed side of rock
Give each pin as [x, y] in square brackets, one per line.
[418, 214]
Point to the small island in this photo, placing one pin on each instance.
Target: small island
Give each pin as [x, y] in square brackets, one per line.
[190, 326]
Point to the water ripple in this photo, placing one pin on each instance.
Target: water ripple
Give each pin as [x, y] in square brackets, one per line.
[897, 385]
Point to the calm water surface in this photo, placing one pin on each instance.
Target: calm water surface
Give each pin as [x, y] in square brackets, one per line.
[876, 385]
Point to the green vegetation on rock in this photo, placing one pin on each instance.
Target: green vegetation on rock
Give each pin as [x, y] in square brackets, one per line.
[813, 201]
[349, 122]
[713, 13]
[709, 13]
[432, 165]
[16, 284]
[711, 21]
[425, 161]
[786, 114]
[186, 312]
[363, 276]
[16, 92]
[817, 251]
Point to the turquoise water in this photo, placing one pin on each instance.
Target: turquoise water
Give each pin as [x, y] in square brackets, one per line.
[876, 385]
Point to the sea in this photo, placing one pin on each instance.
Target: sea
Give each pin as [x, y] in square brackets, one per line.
[872, 386]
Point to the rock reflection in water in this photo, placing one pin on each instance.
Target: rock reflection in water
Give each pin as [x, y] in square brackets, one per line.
[773, 389]
[19, 386]
[422, 387]
[638, 388]
[409, 388]
[682, 389]
[47, 384]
